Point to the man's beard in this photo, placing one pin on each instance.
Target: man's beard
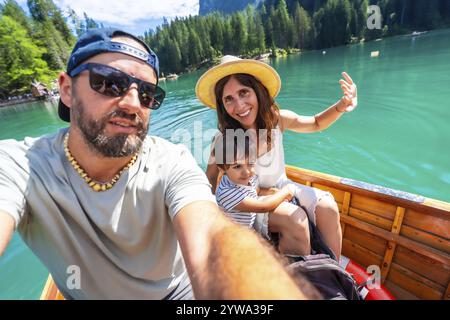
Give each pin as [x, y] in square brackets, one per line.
[119, 145]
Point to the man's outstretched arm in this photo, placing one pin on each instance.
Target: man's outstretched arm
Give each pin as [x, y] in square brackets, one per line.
[226, 261]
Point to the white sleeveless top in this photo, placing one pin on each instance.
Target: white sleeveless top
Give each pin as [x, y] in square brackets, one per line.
[270, 167]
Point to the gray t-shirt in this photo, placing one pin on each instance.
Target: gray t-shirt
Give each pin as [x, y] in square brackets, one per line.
[122, 240]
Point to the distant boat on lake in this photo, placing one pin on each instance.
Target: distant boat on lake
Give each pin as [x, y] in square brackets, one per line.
[262, 57]
[417, 33]
[172, 76]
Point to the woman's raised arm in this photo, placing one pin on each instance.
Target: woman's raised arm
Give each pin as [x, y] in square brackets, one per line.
[306, 124]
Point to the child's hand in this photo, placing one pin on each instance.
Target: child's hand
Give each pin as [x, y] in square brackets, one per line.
[350, 99]
[267, 191]
[272, 190]
[290, 190]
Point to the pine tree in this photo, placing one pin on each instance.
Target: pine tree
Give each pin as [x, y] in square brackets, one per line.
[319, 34]
[228, 37]
[61, 25]
[39, 9]
[284, 26]
[263, 11]
[361, 18]
[318, 4]
[273, 26]
[302, 27]
[217, 32]
[195, 49]
[77, 23]
[260, 36]
[89, 23]
[57, 51]
[426, 14]
[252, 44]
[202, 26]
[342, 14]
[239, 33]
[175, 57]
[269, 31]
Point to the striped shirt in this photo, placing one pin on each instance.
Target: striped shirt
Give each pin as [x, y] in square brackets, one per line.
[229, 195]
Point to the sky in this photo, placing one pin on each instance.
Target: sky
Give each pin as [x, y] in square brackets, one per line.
[136, 16]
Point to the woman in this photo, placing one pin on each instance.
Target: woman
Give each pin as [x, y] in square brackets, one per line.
[243, 92]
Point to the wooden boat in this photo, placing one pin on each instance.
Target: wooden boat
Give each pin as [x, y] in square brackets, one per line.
[407, 236]
[50, 291]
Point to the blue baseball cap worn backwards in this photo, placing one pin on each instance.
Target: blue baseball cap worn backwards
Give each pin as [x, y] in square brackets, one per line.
[96, 41]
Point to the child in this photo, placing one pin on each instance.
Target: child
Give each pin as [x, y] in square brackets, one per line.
[238, 194]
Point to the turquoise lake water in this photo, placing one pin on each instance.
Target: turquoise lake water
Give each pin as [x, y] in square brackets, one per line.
[398, 137]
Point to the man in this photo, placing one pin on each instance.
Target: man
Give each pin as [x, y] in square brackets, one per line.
[130, 212]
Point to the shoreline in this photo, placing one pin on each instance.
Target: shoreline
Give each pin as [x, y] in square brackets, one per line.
[412, 33]
[6, 104]
[18, 101]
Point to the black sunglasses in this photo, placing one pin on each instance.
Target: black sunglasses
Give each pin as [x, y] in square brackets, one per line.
[111, 82]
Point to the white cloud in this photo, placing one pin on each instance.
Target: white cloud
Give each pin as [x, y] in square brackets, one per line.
[135, 16]
[127, 13]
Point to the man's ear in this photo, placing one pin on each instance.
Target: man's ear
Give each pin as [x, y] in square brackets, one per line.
[65, 88]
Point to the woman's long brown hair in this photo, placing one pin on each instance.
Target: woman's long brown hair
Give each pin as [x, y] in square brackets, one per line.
[268, 112]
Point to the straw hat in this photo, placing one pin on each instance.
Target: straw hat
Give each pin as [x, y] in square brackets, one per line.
[231, 65]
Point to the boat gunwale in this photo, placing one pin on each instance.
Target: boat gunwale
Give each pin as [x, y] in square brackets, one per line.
[428, 205]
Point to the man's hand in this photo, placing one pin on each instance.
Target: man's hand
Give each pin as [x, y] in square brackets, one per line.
[227, 261]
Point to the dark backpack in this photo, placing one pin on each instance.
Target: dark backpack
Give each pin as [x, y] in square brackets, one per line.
[323, 271]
